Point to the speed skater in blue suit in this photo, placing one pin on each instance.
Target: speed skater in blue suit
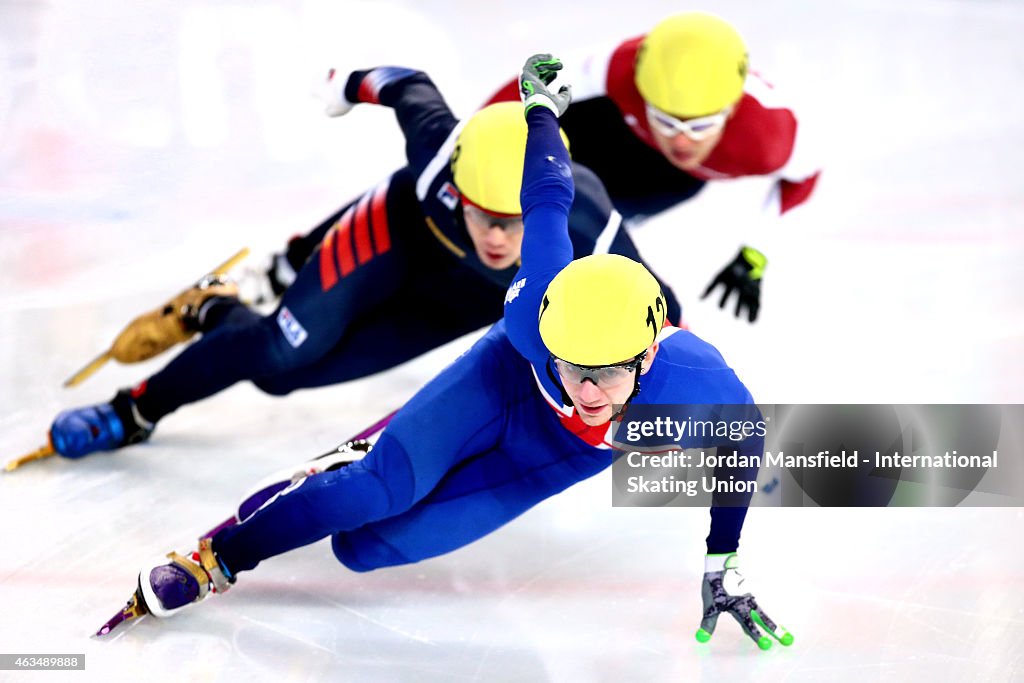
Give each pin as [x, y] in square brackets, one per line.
[527, 412]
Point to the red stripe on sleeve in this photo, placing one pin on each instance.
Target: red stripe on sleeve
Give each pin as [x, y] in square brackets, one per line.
[379, 219]
[367, 93]
[328, 271]
[364, 250]
[346, 261]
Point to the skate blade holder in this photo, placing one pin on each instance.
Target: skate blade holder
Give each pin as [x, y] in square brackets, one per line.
[38, 454]
[100, 360]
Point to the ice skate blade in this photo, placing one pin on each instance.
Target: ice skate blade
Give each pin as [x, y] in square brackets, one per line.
[38, 454]
[132, 612]
[86, 372]
[100, 360]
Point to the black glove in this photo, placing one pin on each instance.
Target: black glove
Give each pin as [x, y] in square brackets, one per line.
[743, 274]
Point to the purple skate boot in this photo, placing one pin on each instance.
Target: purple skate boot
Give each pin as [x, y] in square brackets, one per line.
[168, 587]
[103, 427]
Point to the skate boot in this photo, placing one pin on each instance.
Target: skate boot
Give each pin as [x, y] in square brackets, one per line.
[166, 587]
[101, 427]
[263, 284]
[175, 322]
[272, 485]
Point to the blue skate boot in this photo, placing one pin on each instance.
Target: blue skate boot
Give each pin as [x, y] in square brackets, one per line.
[103, 427]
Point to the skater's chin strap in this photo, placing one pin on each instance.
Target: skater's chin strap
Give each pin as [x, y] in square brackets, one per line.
[617, 415]
[557, 381]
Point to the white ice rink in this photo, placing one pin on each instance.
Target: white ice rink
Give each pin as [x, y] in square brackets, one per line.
[143, 142]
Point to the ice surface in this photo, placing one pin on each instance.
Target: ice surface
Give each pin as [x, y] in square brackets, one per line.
[141, 143]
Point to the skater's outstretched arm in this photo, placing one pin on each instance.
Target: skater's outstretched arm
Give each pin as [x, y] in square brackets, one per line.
[546, 197]
[424, 116]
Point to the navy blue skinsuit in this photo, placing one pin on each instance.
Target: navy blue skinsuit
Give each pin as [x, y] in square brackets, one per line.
[488, 438]
[394, 274]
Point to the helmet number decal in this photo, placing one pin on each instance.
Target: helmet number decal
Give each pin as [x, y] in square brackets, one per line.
[659, 305]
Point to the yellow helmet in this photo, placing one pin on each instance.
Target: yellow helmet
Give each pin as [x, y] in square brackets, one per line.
[691, 65]
[487, 164]
[601, 310]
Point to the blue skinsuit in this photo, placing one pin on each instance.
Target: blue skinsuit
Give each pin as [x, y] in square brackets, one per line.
[481, 444]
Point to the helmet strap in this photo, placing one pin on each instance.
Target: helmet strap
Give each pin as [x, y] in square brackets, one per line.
[553, 376]
[567, 400]
[617, 415]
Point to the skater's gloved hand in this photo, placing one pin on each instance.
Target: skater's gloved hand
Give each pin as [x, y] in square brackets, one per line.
[538, 73]
[723, 592]
[332, 93]
[742, 275]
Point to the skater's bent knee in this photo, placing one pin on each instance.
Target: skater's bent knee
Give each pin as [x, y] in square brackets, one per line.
[364, 551]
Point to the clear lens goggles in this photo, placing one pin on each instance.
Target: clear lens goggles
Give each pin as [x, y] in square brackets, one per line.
[606, 376]
[479, 216]
[696, 129]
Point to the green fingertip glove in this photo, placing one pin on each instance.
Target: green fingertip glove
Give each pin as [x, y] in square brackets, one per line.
[722, 591]
[538, 73]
